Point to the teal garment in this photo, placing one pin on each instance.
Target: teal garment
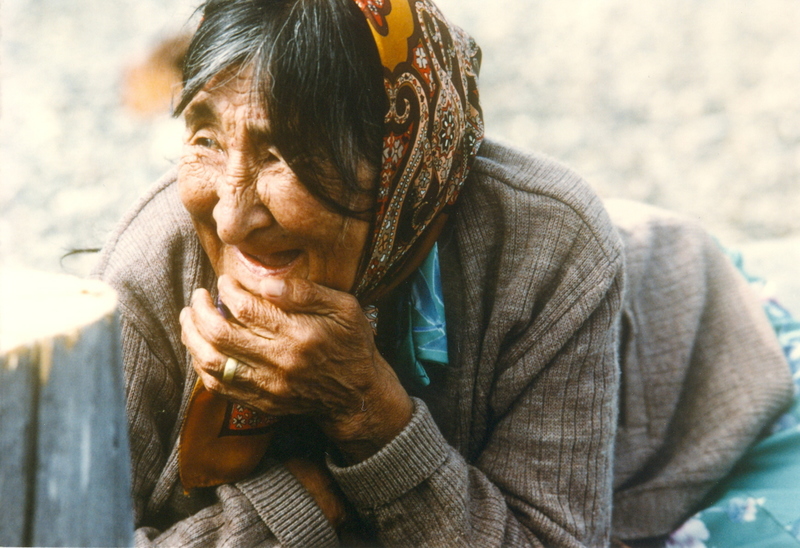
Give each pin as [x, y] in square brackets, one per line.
[424, 338]
[758, 505]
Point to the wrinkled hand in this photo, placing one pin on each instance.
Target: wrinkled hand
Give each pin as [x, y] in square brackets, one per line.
[304, 349]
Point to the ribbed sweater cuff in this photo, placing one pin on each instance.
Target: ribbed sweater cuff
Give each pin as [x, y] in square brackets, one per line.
[288, 509]
[405, 462]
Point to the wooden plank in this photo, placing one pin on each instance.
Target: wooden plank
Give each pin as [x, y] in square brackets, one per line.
[18, 418]
[65, 460]
[83, 485]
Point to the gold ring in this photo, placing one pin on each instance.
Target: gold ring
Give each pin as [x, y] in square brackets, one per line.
[231, 365]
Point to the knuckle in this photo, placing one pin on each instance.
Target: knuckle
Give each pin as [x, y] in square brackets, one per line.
[205, 360]
[308, 347]
[306, 338]
[264, 383]
[218, 331]
[212, 384]
[351, 307]
[316, 342]
[287, 365]
[297, 365]
[302, 291]
[280, 389]
[247, 311]
[199, 360]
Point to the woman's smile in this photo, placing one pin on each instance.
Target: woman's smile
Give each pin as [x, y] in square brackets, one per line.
[253, 216]
[269, 264]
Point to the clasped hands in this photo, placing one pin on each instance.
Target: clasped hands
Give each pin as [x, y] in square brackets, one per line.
[304, 349]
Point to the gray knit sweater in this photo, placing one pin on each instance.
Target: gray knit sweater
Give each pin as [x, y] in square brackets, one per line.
[514, 442]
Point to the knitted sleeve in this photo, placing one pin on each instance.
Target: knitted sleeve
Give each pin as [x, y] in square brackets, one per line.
[542, 478]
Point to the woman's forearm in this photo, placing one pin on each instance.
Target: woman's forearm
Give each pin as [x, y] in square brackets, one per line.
[543, 476]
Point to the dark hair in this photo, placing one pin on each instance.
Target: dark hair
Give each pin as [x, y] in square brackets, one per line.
[318, 76]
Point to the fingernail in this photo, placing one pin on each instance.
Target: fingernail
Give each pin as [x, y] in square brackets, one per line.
[222, 309]
[273, 287]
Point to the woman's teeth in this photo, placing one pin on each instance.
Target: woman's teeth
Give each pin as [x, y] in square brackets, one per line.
[275, 260]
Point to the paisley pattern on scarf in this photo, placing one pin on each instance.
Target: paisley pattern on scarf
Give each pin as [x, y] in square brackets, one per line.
[376, 11]
[433, 129]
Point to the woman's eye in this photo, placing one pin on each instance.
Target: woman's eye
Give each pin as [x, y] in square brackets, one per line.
[267, 156]
[272, 154]
[205, 142]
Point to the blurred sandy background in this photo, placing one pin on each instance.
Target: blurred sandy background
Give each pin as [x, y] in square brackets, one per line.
[692, 105]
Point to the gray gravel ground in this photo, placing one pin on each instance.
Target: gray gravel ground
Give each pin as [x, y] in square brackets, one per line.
[687, 104]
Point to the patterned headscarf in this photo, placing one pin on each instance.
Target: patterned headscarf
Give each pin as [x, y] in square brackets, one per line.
[433, 129]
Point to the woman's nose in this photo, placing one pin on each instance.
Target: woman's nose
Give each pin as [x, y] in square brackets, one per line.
[239, 211]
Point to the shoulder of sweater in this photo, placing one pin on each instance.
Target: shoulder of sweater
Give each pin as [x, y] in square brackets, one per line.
[156, 217]
[530, 260]
[153, 258]
[543, 185]
[530, 245]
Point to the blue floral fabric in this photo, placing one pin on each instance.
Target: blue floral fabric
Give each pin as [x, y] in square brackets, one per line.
[425, 337]
[760, 501]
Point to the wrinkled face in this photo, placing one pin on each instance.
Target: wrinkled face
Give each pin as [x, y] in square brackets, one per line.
[254, 218]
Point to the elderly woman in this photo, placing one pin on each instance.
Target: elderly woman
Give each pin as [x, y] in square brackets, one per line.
[347, 318]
